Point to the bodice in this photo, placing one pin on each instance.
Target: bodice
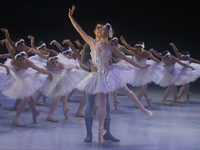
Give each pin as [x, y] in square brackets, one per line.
[141, 62]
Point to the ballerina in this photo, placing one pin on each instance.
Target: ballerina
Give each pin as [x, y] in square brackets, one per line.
[184, 57]
[142, 77]
[169, 75]
[107, 78]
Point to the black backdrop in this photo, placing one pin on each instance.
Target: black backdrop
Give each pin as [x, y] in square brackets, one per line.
[157, 23]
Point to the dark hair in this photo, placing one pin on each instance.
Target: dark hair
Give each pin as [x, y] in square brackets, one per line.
[66, 48]
[19, 51]
[164, 53]
[185, 53]
[17, 40]
[52, 54]
[39, 43]
[100, 22]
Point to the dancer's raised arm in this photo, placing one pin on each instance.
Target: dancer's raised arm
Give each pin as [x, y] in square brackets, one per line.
[126, 44]
[57, 45]
[178, 54]
[117, 53]
[36, 52]
[32, 41]
[155, 52]
[86, 37]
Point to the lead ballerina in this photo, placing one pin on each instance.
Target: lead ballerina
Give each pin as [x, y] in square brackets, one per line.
[107, 78]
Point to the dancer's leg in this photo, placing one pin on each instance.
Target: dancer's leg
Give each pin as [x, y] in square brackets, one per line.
[16, 103]
[64, 105]
[39, 95]
[177, 98]
[134, 99]
[90, 100]
[81, 106]
[187, 91]
[20, 109]
[34, 111]
[147, 98]
[166, 94]
[69, 96]
[102, 114]
[115, 100]
[108, 135]
[53, 106]
[95, 107]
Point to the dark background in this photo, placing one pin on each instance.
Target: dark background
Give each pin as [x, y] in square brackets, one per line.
[157, 23]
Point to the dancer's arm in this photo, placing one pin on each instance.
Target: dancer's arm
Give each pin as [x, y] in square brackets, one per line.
[155, 52]
[178, 54]
[192, 60]
[126, 44]
[7, 68]
[182, 64]
[51, 50]
[71, 45]
[71, 67]
[153, 58]
[57, 45]
[7, 35]
[123, 49]
[4, 55]
[36, 52]
[117, 53]
[32, 41]
[41, 70]
[86, 37]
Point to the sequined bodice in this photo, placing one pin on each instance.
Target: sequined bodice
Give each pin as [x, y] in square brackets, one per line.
[101, 59]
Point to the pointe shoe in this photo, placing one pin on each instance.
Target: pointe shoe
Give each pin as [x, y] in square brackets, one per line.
[35, 114]
[116, 102]
[70, 99]
[165, 103]
[95, 109]
[16, 123]
[102, 132]
[147, 112]
[80, 114]
[179, 101]
[149, 101]
[52, 119]
[40, 104]
[65, 112]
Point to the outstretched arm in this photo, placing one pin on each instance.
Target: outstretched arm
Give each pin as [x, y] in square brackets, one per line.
[175, 50]
[71, 67]
[126, 44]
[10, 49]
[86, 37]
[4, 55]
[7, 35]
[155, 52]
[117, 53]
[192, 60]
[153, 58]
[7, 68]
[182, 64]
[57, 45]
[32, 41]
[71, 45]
[123, 49]
[36, 52]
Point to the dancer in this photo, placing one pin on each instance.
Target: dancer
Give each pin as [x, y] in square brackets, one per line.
[184, 57]
[169, 75]
[104, 79]
[142, 77]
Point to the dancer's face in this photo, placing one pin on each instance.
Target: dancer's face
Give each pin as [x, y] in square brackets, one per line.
[54, 62]
[44, 48]
[97, 30]
[21, 59]
[21, 45]
[104, 31]
[68, 55]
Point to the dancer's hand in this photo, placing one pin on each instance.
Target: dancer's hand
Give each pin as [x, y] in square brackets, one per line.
[78, 43]
[71, 11]
[193, 68]
[123, 40]
[145, 66]
[4, 29]
[171, 44]
[67, 41]
[152, 50]
[8, 70]
[77, 67]
[3, 41]
[30, 37]
[32, 50]
[52, 42]
[93, 68]
[50, 77]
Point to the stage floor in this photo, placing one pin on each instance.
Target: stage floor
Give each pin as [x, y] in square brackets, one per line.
[175, 127]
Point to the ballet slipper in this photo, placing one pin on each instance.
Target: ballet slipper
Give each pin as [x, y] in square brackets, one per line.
[52, 119]
[149, 101]
[102, 132]
[178, 100]
[116, 102]
[146, 112]
[16, 123]
[35, 114]
[165, 103]
[40, 104]
[135, 106]
[80, 114]
[70, 99]
[95, 108]
[65, 111]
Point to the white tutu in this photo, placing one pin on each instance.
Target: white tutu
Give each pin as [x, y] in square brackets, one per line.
[22, 84]
[107, 78]
[3, 77]
[63, 82]
[187, 75]
[140, 77]
[67, 61]
[38, 61]
[168, 76]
